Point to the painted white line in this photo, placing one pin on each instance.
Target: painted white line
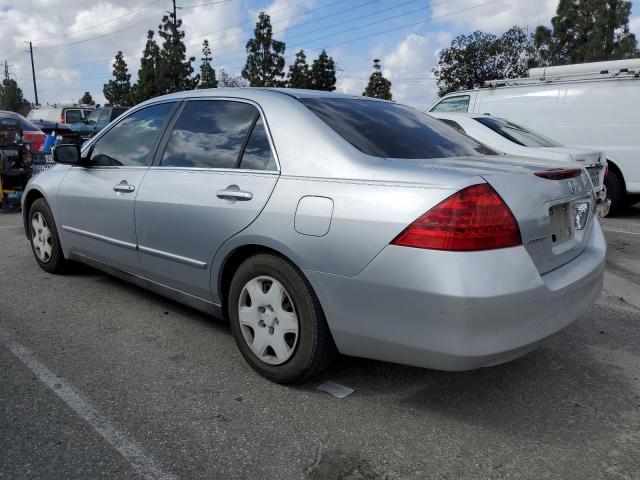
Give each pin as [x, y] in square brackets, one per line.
[127, 447]
[617, 230]
[11, 226]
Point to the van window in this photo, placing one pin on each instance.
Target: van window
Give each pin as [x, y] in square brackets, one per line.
[388, 130]
[459, 103]
[73, 116]
[516, 133]
[209, 134]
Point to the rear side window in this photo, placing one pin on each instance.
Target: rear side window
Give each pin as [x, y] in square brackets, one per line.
[388, 130]
[73, 116]
[209, 134]
[131, 141]
[257, 153]
[516, 133]
[453, 104]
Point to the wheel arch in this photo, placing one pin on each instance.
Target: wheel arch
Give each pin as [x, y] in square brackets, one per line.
[614, 167]
[32, 196]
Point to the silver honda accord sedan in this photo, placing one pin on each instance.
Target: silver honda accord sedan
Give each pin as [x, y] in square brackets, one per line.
[320, 223]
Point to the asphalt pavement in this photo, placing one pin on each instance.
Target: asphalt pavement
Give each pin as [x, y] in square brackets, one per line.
[101, 379]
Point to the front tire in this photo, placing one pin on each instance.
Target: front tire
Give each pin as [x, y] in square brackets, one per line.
[45, 242]
[615, 191]
[277, 321]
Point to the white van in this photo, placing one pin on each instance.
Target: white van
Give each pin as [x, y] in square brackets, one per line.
[591, 105]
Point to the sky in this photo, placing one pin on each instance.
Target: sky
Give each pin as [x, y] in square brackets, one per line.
[75, 41]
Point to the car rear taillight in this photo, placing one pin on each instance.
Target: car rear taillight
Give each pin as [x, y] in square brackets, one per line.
[475, 218]
[559, 173]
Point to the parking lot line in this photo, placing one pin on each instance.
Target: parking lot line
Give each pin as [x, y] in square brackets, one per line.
[127, 447]
[618, 230]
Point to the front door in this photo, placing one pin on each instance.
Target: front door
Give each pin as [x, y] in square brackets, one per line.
[97, 198]
[213, 174]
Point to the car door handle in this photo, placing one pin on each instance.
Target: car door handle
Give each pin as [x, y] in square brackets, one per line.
[123, 187]
[233, 192]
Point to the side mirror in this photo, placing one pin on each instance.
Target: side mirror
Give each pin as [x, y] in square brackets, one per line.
[67, 154]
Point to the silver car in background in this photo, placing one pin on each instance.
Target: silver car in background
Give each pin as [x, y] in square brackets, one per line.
[321, 223]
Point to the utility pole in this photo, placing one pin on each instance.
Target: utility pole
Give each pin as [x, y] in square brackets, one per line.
[33, 72]
[6, 71]
[175, 44]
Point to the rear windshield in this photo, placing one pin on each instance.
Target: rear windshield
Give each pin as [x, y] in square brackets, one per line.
[51, 114]
[516, 133]
[25, 125]
[389, 130]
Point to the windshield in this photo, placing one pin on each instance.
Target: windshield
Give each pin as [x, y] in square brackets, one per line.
[93, 117]
[389, 130]
[516, 133]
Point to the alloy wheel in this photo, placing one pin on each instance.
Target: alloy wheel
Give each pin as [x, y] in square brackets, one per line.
[41, 237]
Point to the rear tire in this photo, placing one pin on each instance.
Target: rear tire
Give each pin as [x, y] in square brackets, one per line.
[263, 288]
[45, 242]
[615, 192]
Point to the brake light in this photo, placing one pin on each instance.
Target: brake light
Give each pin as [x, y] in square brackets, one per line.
[559, 173]
[475, 218]
[62, 117]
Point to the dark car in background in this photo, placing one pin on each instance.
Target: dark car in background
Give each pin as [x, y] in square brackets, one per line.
[96, 121]
[30, 132]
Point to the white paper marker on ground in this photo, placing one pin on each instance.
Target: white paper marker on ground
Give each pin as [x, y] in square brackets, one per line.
[335, 389]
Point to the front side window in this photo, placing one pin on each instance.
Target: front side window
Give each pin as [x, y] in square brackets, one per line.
[131, 142]
[93, 117]
[516, 133]
[389, 130]
[209, 134]
[74, 116]
[104, 116]
[453, 104]
[257, 153]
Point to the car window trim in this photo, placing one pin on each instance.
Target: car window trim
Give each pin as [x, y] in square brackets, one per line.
[246, 139]
[167, 133]
[88, 150]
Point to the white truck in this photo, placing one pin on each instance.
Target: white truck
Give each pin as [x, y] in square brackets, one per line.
[592, 105]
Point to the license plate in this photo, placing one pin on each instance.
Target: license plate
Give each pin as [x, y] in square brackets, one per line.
[580, 215]
[595, 178]
[48, 158]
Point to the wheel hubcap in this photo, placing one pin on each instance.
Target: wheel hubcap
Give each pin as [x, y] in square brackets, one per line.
[41, 237]
[268, 320]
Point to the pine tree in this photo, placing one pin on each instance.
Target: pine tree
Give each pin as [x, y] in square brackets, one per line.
[265, 56]
[299, 73]
[11, 97]
[378, 87]
[323, 73]
[588, 31]
[176, 68]
[207, 72]
[86, 99]
[151, 82]
[118, 90]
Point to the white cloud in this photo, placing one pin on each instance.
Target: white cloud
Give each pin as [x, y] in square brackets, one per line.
[495, 17]
[407, 65]
[634, 26]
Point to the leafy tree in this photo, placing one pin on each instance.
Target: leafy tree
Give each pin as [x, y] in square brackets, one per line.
[150, 81]
[588, 31]
[378, 87]
[299, 72]
[118, 90]
[226, 80]
[86, 99]
[467, 62]
[11, 97]
[265, 56]
[516, 53]
[176, 68]
[323, 73]
[207, 72]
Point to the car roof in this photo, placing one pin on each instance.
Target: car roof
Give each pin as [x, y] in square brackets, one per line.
[257, 93]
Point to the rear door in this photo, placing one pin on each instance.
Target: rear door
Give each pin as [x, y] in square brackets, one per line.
[96, 199]
[213, 174]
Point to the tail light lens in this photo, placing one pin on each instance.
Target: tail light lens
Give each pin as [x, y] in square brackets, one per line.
[475, 218]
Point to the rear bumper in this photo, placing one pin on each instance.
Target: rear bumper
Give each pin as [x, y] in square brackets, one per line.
[456, 311]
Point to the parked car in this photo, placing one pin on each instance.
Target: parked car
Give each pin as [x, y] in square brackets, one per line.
[593, 105]
[61, 131]
[60, 114]
[30, 132]
[318, 222]
[514, 139]
[96, 121]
